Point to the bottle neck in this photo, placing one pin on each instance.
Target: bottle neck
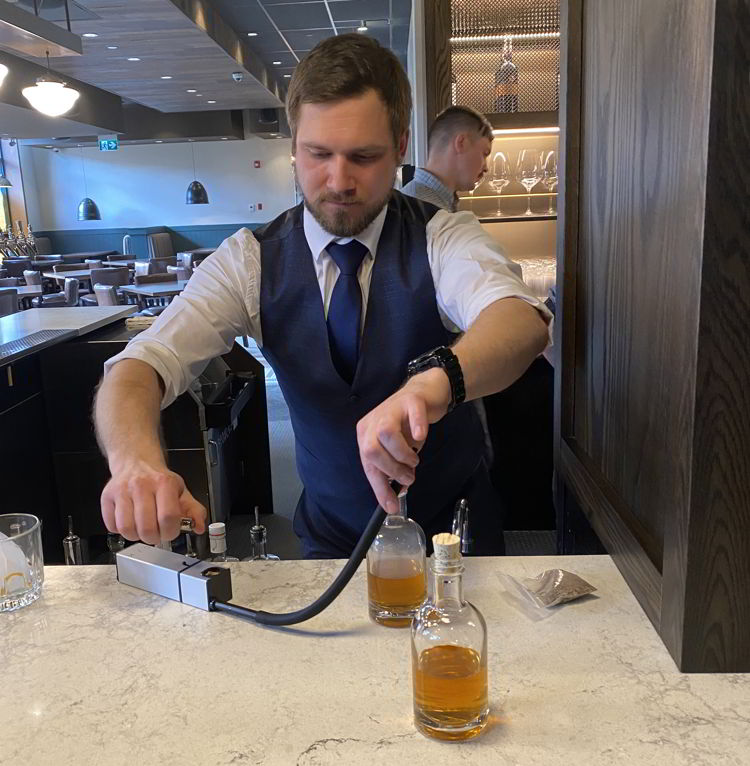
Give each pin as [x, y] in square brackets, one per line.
[447, 582]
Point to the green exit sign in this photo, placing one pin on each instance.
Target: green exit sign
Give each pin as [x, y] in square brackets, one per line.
[108, 144]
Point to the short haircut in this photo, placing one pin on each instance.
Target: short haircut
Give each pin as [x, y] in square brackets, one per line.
[457, 119]
[347, 66]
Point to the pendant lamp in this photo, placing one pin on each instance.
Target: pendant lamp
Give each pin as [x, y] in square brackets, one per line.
[87, 209]
[3, 72]
[196, 192]
[50, 96]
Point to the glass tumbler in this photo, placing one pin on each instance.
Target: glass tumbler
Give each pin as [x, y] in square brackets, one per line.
[21, 560]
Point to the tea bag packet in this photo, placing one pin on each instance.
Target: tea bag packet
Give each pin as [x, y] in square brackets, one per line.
[15, 573]
[556, 586]
[535, 595]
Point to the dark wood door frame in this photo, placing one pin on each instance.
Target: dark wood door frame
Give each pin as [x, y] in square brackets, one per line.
[694, 582]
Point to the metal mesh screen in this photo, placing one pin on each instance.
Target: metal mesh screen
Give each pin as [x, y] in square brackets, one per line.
[505, 54]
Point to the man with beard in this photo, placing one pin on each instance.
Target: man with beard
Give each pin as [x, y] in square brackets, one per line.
[344, 294]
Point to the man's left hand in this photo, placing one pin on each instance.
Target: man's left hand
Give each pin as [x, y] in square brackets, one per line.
[391, 435]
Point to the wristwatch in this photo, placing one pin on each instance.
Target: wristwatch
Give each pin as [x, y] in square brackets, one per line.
[443, 357]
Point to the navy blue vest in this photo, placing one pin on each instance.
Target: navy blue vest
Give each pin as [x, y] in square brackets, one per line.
[402, 321]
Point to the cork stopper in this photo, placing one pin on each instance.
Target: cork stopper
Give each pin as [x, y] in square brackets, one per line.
[447, 547]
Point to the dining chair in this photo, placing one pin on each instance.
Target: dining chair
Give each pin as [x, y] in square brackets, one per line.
[106, 276]
[149, 279]
[70, 267]
[68, 297]
[106, 295]
[32, 277]
[8, 301]
[180, 271]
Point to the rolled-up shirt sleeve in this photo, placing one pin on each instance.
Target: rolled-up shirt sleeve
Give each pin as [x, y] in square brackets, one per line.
[220, 302]
[471, 271]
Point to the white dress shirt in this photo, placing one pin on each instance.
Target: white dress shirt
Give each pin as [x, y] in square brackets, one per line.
[222, 298]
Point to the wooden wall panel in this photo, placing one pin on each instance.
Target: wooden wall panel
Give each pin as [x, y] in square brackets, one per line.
[437, 33]
[706, 623]
[646, 87]
[653, 358]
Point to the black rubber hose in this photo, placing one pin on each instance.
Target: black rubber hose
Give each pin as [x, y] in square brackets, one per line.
[325, 599]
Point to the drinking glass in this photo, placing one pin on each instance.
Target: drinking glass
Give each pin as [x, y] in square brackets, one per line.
[529, 172]
[501, 176]
[21, 560]
[549, 176]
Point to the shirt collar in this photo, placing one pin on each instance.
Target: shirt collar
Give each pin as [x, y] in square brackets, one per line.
[447, 196]
[318, 238]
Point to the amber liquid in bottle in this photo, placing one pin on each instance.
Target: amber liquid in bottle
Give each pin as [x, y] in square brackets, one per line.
[395, 591]
[450, 690]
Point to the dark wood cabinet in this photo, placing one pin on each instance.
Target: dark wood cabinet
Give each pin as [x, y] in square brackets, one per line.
[653, 357]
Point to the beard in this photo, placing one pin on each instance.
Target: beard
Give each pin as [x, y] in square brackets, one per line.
[344, 222]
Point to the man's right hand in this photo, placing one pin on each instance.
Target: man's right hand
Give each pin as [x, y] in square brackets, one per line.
[146, 503]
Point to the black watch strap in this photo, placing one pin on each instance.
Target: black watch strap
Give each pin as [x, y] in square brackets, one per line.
[443, 357]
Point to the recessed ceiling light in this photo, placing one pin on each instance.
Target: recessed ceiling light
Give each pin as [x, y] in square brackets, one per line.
[276, 63]
[89, 34]
[166, 77]
[252, 34]
[111, 47]
[159, 141]
[287, 75]
[224, 138]
[133, 58]
[199, 94]
[210, 102]
[191, 90]
[48, 147]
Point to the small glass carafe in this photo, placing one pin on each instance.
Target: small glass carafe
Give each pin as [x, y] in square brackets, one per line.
[449, 652]
[396, 569]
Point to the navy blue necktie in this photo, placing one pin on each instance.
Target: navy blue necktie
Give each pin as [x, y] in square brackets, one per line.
[345, 308]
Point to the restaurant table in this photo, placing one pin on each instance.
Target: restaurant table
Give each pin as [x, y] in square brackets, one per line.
[28, 292]
[155, 289]
[96, 672]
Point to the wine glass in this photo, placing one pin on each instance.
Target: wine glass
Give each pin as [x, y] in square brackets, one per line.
[549, 176]
[529, 172]
[501, 177]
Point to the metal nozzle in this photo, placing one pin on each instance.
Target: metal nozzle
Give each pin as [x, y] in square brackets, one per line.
[72, 546]
[461, 525]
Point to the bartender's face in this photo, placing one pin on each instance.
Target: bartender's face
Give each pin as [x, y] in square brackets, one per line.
[472, 161]
[345, 161]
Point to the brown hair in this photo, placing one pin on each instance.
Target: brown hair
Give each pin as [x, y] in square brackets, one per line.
[346, 66]
[457, 119]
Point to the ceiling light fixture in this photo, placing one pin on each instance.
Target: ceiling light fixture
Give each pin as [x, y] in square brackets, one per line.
[199, 94]
[133, 58]
[196, 193]
[50, 96]
[112, 47]
[4, 182]
[276, 63]
[89, 34]
[224, 138]
[287, 75]
[210, 102]
[362, 27]
[191, 90]
[252, 34]
[159, 141]
[166, 77]
[87, 209]
[3, 72]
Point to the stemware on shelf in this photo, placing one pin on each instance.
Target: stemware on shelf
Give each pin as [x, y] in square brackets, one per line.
[549, 176]
[501, 176]
[529, 172]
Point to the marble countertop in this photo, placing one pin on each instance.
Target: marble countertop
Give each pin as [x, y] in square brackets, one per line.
[80, 319]
[96, 672]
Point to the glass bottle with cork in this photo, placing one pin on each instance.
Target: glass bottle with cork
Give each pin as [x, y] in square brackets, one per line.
[449, 652]
[396, 569]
